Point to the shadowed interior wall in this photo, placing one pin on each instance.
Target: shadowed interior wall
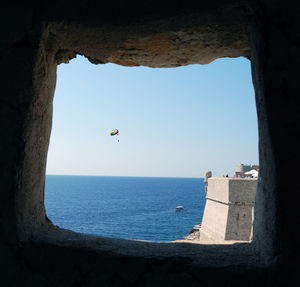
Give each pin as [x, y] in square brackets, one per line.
[35, 40]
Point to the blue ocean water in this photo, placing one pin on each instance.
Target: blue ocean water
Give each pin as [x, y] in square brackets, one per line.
[125, 207]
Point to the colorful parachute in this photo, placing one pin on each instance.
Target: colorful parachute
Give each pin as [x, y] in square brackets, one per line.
[114, 132]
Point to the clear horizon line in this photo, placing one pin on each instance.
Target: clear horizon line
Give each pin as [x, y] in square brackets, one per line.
[123, 175]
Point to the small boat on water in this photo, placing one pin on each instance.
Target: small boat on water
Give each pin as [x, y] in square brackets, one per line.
[179, 208]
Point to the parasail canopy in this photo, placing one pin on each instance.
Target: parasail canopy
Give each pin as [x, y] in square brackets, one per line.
[114, 132]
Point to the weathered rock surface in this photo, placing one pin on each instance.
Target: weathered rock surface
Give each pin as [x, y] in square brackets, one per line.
[194, 38]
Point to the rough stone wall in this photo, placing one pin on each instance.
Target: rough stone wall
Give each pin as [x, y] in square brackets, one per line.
[34, 40]
[275, 57]
[239, 222]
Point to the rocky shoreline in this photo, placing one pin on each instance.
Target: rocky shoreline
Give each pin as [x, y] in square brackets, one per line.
[194, 234]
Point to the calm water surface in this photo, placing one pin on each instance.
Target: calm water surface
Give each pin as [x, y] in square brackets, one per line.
[125, 207]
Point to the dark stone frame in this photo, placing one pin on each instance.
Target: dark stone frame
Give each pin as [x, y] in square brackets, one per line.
[40, 253]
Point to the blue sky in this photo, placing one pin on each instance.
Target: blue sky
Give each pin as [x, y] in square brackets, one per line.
[174, 122]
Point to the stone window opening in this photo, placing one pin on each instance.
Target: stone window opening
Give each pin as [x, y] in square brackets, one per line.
[109, 105]
[47, 255]
[123, 56]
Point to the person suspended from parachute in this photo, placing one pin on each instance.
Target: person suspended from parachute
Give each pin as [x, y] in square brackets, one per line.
[114, 132]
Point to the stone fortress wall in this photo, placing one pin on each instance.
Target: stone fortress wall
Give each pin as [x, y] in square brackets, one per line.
[246, 167]
[242, 169]
[229, 209]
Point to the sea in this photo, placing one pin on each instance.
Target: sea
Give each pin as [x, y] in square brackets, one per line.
[142, 208]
